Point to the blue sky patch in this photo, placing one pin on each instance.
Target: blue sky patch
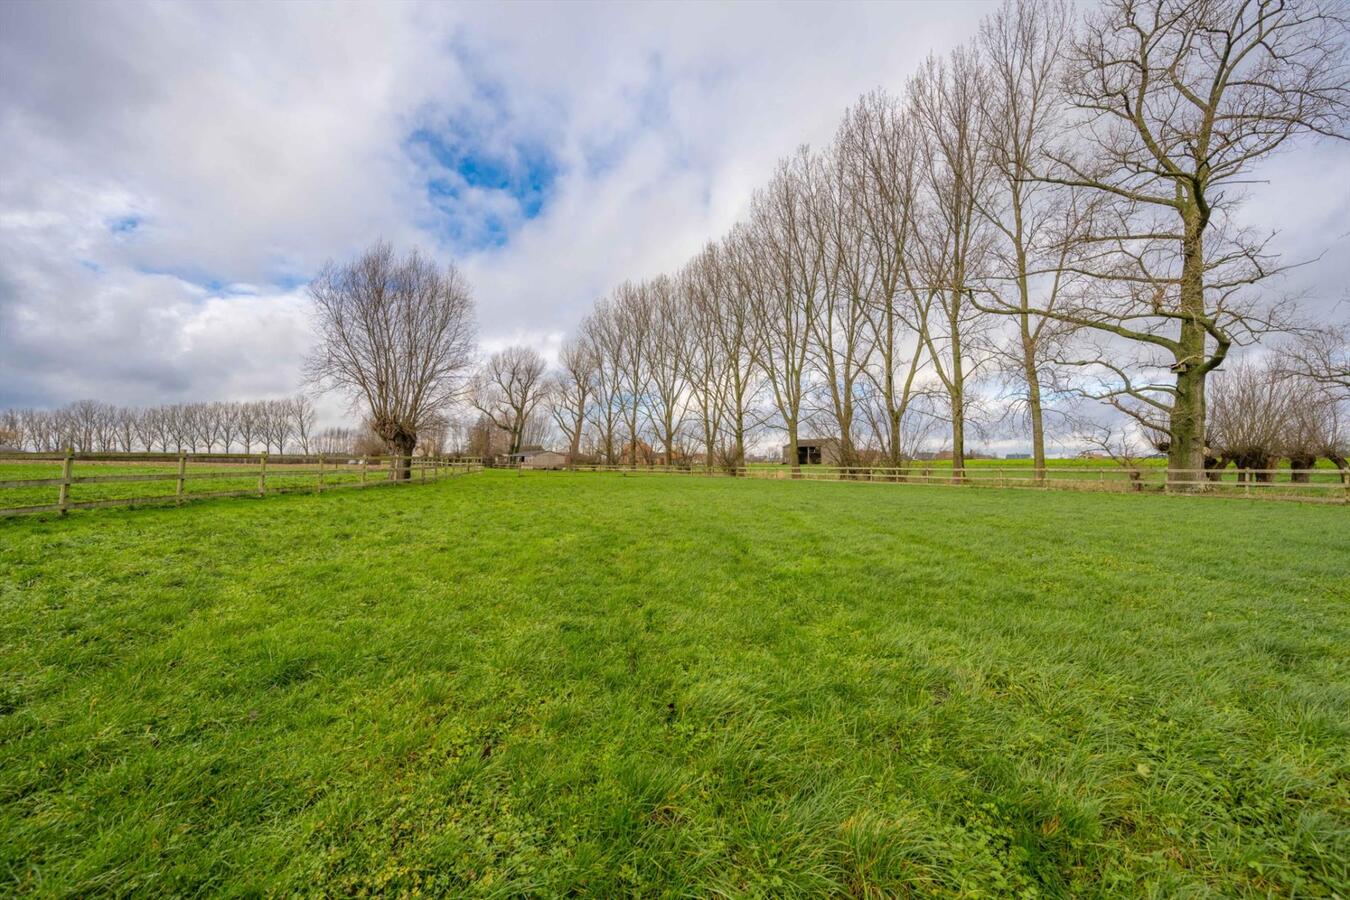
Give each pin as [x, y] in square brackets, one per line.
[124, 224]
[458, 167]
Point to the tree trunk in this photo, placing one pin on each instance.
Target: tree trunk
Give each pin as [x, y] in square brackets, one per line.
[1299, 463]
[1034, 403]
[403, 445]
[958, 395]
[958, 438]
[1186, 453]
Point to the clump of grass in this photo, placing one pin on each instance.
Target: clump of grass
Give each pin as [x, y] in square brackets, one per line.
[601, 685]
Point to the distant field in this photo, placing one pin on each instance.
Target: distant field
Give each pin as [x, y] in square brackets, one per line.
[202, 478]
[555, 683]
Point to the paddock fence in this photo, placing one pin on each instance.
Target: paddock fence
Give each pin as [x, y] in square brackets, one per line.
[1320, 485]
[34, 483]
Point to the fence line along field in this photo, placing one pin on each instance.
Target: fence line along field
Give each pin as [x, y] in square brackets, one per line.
[1319, 485]
[42, 483]
[591, 685]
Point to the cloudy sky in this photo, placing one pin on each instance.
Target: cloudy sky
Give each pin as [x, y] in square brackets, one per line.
[172, 174]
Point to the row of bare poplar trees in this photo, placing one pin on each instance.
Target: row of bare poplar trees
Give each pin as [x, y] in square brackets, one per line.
[1050, 207]
[91, 426]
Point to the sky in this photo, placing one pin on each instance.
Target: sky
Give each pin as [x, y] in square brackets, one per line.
[173, 174]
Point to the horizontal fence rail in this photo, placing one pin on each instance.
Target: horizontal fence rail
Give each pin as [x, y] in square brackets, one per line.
[32, 483]
[1325, 485]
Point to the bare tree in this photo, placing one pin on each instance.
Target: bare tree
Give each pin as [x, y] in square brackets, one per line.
[783, 268]
[631, 316]
[1035, 223]
[730, 278]
[1248, 418]
[668, 354]
[1321, 356]
[605, 334]
[278, 423]
[574, 389]
[840, 333]
[701, 285]
[508, 388]
[396, 336]
[1177, 100]
[945, 100]
[879, 144]
[304, 416]
[250, 424]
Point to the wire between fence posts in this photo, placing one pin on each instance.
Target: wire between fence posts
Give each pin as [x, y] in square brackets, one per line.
[63, 495]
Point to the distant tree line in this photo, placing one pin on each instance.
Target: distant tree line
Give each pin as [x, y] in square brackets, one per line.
[91, 426]
[280, 426]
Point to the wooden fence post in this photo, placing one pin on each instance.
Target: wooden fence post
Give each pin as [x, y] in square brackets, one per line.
[319, 487]
[364, 462]
[182, 471]
[67, 464]
[262, 474]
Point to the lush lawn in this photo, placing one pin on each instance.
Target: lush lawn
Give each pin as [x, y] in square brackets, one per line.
[612, 685]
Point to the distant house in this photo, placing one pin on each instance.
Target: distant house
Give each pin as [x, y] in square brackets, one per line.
[545, 459]
[813, 452]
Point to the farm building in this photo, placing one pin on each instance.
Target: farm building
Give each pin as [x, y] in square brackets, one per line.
[813, 452]
[545, 459]
[524, 453]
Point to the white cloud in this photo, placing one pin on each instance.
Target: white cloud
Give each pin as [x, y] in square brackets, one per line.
[173, 172]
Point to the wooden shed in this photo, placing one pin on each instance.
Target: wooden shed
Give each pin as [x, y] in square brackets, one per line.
[813, 452]
[546, 459]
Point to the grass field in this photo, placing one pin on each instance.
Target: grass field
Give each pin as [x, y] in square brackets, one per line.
[553, 683]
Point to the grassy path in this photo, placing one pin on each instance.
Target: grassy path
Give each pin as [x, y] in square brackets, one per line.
[508, 684]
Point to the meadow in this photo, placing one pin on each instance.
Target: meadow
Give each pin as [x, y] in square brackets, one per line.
[551, 683]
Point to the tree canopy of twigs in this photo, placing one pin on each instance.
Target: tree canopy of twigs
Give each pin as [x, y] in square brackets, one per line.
[396, 335]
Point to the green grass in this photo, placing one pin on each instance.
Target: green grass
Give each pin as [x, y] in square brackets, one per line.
[202, 478]
[607, 685]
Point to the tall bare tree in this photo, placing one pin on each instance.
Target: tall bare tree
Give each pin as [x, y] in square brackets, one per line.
[305, 417]
[631, 317]
[574, 389]
[508, 389]
[785, 269]
[668, 356]
[945, 100]
[839, 333]
[396, 336]
[1177, 100]
[879, 142]
[605, 333]
[1035, 224]
[730, 276]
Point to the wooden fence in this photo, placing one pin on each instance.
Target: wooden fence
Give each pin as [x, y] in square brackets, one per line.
[1324, 485]
[44, 483]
